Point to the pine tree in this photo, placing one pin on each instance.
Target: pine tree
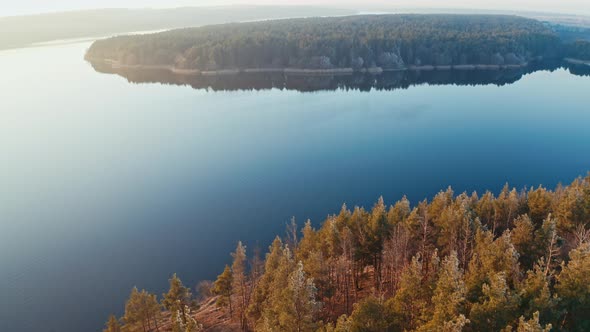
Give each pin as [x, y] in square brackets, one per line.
[290, 303]
[411, 298]
[531, 325]
[308, 244]
[522, 236]
[535, 293]
[178, 297]
[183, 321]
[379, 229]
[573, 290]
[548, 244]
[263, 288]
[396, 256]
[489, 258]
[176, 321]
[569, 208]
[343, 324]
[539, 202]
[498, 308]
[485, 211]
[239, 283]
[369, 315]
[303, 296]
[139, 309]
[399, 212]
[422, 229]
[112, 325]
[153, 309]
[449, 297]
[277, 311]
[223, 287]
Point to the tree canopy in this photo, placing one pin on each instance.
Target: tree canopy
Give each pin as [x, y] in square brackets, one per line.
[362, 41]
[515, 261]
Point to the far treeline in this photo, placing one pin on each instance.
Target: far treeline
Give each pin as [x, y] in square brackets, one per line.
[516, 261]
[22, 31]
[357, 42]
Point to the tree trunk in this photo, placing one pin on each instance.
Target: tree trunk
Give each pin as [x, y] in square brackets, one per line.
[230, 308]
[156, 323]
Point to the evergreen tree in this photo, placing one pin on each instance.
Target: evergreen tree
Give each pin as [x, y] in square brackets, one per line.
[535, 293]
[153, 308]
[531, 325]
[491, 257]
[139, 310]
[422, 229]
[570, 207]
[309, 242]
[379, 229]
[303, 297]
[182, 321]
[133, 310]
[112, 325]
[548, 244]
[539, 202]
[369, 315]
[314, 253]
[277, 310]
[574, 291]
[343, 324]
[399, 212]
[239, 283]
[178, 297]
[223, 287]
[263, 288]
[449, 297]
[411, 298]
[485, 210]
[498, 306]
[523, 238]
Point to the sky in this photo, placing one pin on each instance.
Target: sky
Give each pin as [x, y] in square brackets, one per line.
[24, 7]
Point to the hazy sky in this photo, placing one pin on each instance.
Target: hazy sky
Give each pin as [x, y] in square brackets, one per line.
[19, 7]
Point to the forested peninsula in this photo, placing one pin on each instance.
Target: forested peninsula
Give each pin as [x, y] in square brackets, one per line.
[362, 43]
[518, 260]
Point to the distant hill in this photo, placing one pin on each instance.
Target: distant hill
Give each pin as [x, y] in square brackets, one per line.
[19, 31]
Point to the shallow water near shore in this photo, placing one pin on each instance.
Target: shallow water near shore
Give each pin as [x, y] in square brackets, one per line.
[110, 182]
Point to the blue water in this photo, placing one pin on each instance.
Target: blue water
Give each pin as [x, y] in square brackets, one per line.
[106, 185]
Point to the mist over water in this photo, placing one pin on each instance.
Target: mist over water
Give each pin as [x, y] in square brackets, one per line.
[107, 184]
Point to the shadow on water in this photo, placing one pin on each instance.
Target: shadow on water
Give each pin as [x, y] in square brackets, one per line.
[362, 82]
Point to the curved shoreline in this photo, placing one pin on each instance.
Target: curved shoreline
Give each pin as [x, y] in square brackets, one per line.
[300, 71]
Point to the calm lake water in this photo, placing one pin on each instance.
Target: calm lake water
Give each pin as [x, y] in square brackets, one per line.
[107, 184]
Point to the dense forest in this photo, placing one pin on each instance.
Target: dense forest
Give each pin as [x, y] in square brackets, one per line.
[357, 42]
[515, 261]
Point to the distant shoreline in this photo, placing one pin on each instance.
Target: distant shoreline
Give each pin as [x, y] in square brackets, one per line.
[301, 71]
[577, 61]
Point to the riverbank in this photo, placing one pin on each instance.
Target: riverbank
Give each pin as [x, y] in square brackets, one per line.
[301, 71]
